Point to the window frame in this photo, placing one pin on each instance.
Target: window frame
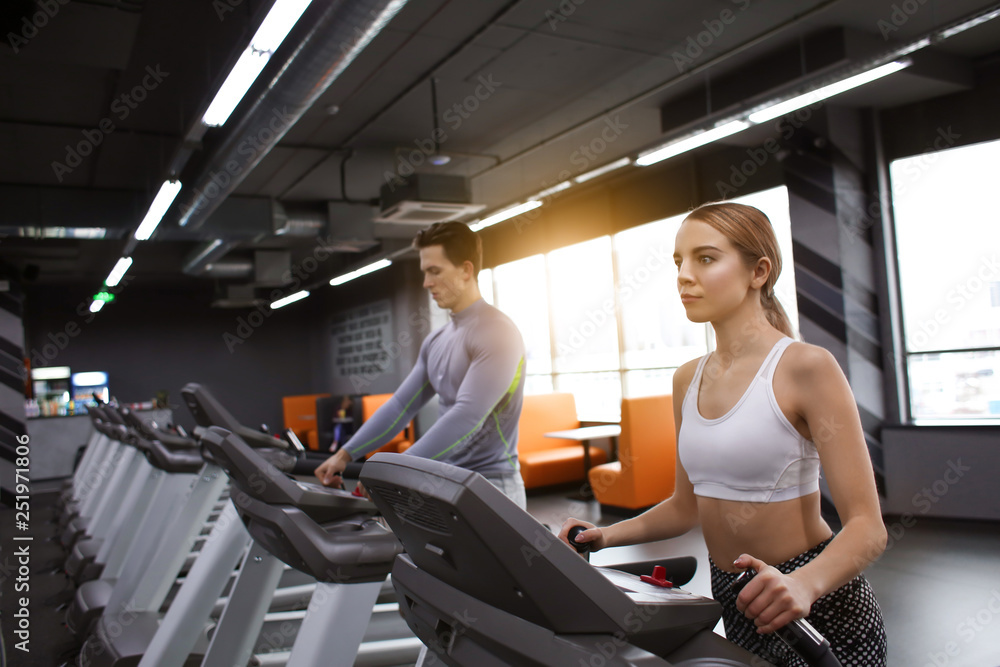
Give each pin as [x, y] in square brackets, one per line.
[905, 412]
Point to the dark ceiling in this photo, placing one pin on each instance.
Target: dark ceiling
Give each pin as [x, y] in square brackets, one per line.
[519, 87]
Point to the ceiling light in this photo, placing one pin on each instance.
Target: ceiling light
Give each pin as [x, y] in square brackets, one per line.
[116, 273]
[96, 305]
[558, 187]
[844, 85]
[63, 232]
[971, 23]
[439, 159]
[505, 214]
[915, 46]
[277, 24]
[617, 164]
[161, 202]
[291, 298]
[691, 142]
[241, 77]
[380, 264]
[275, 27]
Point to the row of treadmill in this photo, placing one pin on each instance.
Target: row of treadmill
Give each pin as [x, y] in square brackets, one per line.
[213, 549]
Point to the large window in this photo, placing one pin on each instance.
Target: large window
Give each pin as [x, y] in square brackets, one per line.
[602, 319]
[948, 247]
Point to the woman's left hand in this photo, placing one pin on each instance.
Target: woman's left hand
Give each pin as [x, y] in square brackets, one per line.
[771, 599]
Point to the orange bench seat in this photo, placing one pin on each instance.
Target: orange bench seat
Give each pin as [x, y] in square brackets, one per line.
[548, 461]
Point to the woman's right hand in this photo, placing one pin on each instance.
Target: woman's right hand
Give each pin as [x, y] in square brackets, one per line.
[593, 534]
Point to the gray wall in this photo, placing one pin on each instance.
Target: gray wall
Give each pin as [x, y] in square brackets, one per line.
[942, 472]
[400, 284]
[161, 339]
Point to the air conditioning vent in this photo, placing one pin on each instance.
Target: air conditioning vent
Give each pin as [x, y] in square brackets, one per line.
[423, 213]
[425, 198]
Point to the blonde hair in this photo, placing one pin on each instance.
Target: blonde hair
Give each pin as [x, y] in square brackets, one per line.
[751, 233]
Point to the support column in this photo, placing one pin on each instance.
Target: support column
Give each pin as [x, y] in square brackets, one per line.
[838, 286]
[12, 378]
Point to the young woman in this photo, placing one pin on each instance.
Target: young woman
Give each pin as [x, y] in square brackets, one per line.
[755, 419]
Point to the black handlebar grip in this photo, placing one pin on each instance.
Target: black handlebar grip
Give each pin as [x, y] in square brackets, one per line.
[353, 469]
[799, 635]
[581, 547]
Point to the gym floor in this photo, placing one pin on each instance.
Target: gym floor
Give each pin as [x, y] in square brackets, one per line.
[938, 584]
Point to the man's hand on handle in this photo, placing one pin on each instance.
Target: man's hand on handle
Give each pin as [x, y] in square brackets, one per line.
[329, 472]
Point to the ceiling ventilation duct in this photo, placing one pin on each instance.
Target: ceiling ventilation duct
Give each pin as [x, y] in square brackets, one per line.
[324, 41]
[206, 254]
[423, 199]
[229, 269]
[301, 221]
[272, 268]
[351, 228]
[337, 226]
[238, 296]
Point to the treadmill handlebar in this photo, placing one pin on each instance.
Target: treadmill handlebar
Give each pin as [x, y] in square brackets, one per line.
[799, 635]
[581, 547]
[258, 478]
[208, 411]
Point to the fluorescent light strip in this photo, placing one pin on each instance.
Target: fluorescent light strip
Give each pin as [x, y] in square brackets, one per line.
[96, 306]
[272, 31]
[823, 93]
[505, 214]
[691, 142]
[381, 264]
[971, 23]
[161, 202]
[617, 164]
[558, 187]
[117, 273]
[241, 77]
[291, 298]
[65, 232]
[915, 46]
[277, 24]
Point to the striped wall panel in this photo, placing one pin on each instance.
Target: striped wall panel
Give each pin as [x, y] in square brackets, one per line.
[12, 416]
[835, 279]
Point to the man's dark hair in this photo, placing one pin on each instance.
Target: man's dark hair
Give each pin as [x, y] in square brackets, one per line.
[460, 243]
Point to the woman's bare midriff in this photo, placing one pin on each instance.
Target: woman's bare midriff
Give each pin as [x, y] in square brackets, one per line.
[772, 532]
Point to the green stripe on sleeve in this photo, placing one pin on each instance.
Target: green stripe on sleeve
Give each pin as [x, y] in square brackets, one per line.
[393, 424]
[509, 394]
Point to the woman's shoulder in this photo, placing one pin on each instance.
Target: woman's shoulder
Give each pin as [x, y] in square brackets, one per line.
[805, 362]
[684, 374]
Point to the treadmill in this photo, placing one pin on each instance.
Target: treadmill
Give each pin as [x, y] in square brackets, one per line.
[330, 534]
[482, 583]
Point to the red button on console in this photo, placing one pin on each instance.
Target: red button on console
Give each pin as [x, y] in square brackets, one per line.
[659, 577]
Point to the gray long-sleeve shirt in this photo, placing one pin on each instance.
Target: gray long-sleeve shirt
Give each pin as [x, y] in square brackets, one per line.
[475, 364]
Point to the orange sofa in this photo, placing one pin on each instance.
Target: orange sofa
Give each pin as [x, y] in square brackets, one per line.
[300, 414]
[643, 475]
[403, 440]
[546, 461]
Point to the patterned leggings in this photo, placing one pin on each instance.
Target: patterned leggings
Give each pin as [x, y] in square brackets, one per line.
[849, 618]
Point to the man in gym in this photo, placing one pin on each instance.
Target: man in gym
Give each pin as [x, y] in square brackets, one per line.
[475, 364]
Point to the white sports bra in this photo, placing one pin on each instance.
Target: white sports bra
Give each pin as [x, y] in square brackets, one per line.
[751, 453]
